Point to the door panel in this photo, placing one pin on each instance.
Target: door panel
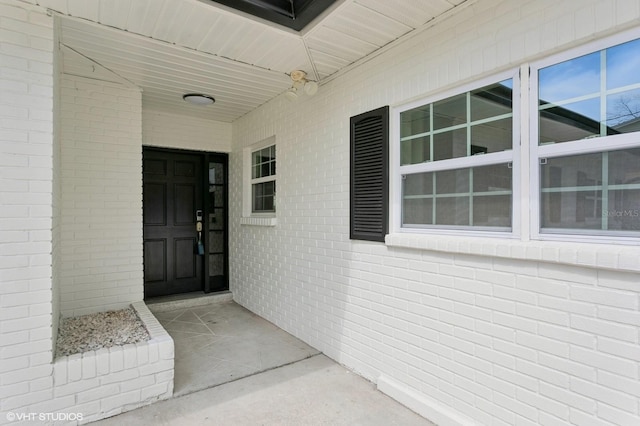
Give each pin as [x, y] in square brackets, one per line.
[155, 265]
[185, 264]
[173, 191]
[155, 194]
[185, 204]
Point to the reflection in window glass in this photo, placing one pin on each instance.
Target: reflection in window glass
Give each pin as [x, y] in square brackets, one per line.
[494, 136]
[415, 121]
[623, 112]
[417, 150]
[450, 144]
[479, 197]
[598, 191]
[574, 121]
[450, 112]
[570, 79]
[491, 101]
[623, 62]
[590, 96]
[476, 122]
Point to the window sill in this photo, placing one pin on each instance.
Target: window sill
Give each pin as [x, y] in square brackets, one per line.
[619, 258]
[258, 221]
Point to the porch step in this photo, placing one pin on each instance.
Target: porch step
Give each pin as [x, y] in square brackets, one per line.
[186, 300]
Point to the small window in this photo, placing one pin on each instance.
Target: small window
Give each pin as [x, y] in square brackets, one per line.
[263, 180]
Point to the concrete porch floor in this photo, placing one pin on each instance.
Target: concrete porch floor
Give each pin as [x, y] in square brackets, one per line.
[234, 368]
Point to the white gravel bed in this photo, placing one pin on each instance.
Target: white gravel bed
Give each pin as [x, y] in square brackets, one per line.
[100, 330]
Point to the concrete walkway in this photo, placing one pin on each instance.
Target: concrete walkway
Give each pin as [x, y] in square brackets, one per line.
[314, 391]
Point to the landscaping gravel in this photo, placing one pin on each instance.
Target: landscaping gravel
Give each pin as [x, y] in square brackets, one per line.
[99, 330]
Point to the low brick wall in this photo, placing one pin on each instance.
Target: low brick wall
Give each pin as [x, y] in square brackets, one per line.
[106, 382]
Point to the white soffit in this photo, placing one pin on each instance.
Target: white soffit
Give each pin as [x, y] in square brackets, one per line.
[171, 47]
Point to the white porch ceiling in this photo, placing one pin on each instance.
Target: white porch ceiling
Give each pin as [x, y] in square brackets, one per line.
[172, 47]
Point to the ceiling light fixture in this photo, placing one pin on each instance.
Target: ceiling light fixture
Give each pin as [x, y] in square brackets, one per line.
[198, 99]
[300, 81]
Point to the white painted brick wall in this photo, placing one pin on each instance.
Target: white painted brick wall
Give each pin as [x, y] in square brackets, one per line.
[26, 195]
[494, 332]
[178, 131]
[101, 232]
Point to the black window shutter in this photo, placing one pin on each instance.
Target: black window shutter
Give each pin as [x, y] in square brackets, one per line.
[370, 175]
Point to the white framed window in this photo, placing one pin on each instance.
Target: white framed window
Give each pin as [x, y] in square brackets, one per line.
[259, 183]
[263, 180]
[585, 145]
[454, 158]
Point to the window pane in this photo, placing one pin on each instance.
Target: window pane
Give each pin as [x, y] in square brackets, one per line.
[578, 194]
[492, 211]
[265, 154]
[420, 142]
[494, 136]
[256, 172]
[417, 211]
[452, 211]
[418, 184]
[623, 62]
[571, 192]
[570, 122]
[570, 79]
[452, 181]
[623, 209]
[492, 178]
[450, 112]
[579, 170]
[415, 121]
[623, 112]
[415, 150]
[264, 197]
[450, 144]
[571, 94]
[571, 210]
[488, 205]
[491, 101]
[265, 170]
[257, 198]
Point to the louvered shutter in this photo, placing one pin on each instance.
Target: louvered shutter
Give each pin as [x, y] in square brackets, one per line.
[370, 175]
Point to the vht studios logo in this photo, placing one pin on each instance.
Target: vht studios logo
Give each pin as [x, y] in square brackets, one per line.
[12, 417]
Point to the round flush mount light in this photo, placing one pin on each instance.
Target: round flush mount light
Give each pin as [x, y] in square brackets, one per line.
[198, 99]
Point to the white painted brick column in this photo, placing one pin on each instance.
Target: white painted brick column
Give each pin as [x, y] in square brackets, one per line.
[26, 175]
[101, 235]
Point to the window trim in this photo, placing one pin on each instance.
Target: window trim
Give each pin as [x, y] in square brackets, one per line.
[260, 180]
[537, 152]
[249, 217]
[512, 156]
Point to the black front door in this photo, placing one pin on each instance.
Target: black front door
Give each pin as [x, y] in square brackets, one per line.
[172, 197]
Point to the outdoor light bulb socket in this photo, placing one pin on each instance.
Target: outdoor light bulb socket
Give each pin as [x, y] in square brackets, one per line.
[198, 99]
[292, 94]
[311, 88]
